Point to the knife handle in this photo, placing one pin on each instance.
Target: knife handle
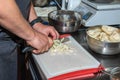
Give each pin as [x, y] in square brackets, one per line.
[27, 49]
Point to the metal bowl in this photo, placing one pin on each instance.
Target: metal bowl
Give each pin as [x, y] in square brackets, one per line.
[65, 21]
[105, 48]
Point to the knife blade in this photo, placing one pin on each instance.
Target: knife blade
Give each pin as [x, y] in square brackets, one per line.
[63, 40]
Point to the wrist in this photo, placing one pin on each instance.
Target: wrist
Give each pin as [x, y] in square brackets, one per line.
[37, 20]
[31, 37]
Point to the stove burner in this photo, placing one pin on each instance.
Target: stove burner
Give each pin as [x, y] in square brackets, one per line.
[101, 1]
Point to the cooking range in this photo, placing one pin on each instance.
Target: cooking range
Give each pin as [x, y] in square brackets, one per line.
[79, 36]
[95, 12]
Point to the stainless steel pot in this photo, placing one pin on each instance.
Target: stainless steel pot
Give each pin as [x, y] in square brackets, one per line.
[106, 48]
[65, 21]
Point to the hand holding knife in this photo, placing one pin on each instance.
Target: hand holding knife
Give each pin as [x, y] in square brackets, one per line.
[30, 49]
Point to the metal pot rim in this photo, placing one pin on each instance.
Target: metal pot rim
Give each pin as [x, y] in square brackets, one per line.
[66, 12]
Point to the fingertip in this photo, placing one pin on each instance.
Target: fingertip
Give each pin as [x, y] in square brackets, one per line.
[56, 35]
[35, 51]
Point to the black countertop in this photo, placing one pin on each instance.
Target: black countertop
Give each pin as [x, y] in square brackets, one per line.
[106, 60]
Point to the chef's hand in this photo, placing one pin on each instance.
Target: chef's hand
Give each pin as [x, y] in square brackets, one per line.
[47, 30]
[40, 42]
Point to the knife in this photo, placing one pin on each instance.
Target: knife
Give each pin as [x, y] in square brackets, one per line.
[63, 40]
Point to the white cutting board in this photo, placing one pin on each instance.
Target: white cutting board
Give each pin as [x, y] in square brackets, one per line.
[54, 65]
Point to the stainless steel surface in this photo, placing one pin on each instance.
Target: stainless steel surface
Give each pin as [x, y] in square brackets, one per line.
[65, 21]
[106, 48]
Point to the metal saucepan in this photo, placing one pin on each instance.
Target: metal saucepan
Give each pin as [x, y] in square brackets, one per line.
[65, 21]
[102, 47]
